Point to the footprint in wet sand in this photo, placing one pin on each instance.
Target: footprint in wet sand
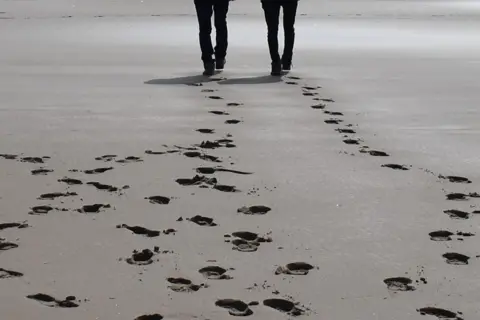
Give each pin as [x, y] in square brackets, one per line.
[206, 131]
[441, 235]
[399, 284]
[294, 78]
[456, 258]
[351, 141]
[41, 172]
[222, 143]
[246, 241]
[209, 90]
[130, 159]
[7, 274]
[347, 131]
[8, 156]
[327, 100]
[284, 306]
[215, 98]
[70, 181]
[182, 285]
[203, 156]
[320, 106]
[225, 188]
[235, 307]
[253, 210]
[395, 166]
[310, 94]
[439, 313]
[54, 195]
[457, 196]
[333, 121]
[140, 230]
[210, 170]
[333, 113]
[457, 214]
[202, 221]
[219, 113]
[215, 273]
[32, 159]
[233, 121]
[158, 199]
[93, 208]
[105, 187]
[50, 301]
[234, 104]
[18, 225]
[376, 153]
[155, 316]
[295, 268]
[310, 88]
[5, 245]
[195, 84]
[455, 179]
[196, 180]
[292, 83]
[141, 258]
[106, 158]
[38, 210]
[98, 170]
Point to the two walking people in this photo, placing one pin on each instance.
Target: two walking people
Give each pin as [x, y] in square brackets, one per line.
[214, 58]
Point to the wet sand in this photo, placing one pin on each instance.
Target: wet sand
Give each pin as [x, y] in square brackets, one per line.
[132, 186]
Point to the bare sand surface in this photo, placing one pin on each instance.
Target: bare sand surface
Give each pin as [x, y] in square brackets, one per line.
[375, 83]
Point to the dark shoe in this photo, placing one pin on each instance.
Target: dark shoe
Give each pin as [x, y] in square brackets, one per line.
[276, 69]
[286, 66]
[209, 68]
[220, 63]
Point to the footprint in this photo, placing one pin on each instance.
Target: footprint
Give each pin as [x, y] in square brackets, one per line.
[50, 301]
[284, 306]
[465, 234]
[295, 268]
[456, 258]
[197, 180]
[206, 157]
[130, 159]
[310, 94]
[140, 230]
[202, 221]
[9, 225]
[248, 241]
[235, 307]
[348, 131]
[399, 284]
[216, 144]
[319, 106]
[210, 170]
[54, 195]
[155, 316]
[215, 273]
[457, 196]
[254, 210]
[294, 78]
[376, 153]
[195, 84]
[327, 100]
[455, 179]
[32, 160]
[40, 210]
[70, 181]
[215, 98]
[208, 90]
[6, 274]
[333, 113]
[219, 113]
[293, 83]
[225, 188]
[310, 88]
[351, 141]
[101, 186]
[474, 195]
[41, 172]
[106, 158]
[234, 104]
[437, 312]
[206, 131]
[233, 121]
[333, 121]
[182, 285]
[98, 170]
[457, 214]
[141, 258]
[441, 235]
[395, 166]
[93, 208]
[9, 156]
[4, 246]
[159, 199]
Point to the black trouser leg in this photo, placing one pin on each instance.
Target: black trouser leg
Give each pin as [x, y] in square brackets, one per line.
[289, 14]
[221, 9]
[204, 15]
[272, 14]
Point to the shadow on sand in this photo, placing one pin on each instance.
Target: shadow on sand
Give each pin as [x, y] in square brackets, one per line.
[188, 80]
[198, 79]
[252, 80]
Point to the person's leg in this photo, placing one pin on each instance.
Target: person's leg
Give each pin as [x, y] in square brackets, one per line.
[272, 14]
[204, 15]
[289, 14]
[221, 9]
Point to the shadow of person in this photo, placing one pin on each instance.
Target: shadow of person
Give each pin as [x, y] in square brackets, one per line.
[187, 80]
[252, 80]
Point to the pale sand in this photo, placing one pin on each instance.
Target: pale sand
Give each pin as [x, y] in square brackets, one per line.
[74, 89]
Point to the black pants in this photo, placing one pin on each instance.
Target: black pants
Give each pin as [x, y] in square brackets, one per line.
[272, 16]
[205, 10]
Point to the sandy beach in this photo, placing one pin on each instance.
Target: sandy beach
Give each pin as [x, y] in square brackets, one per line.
[133, 188]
